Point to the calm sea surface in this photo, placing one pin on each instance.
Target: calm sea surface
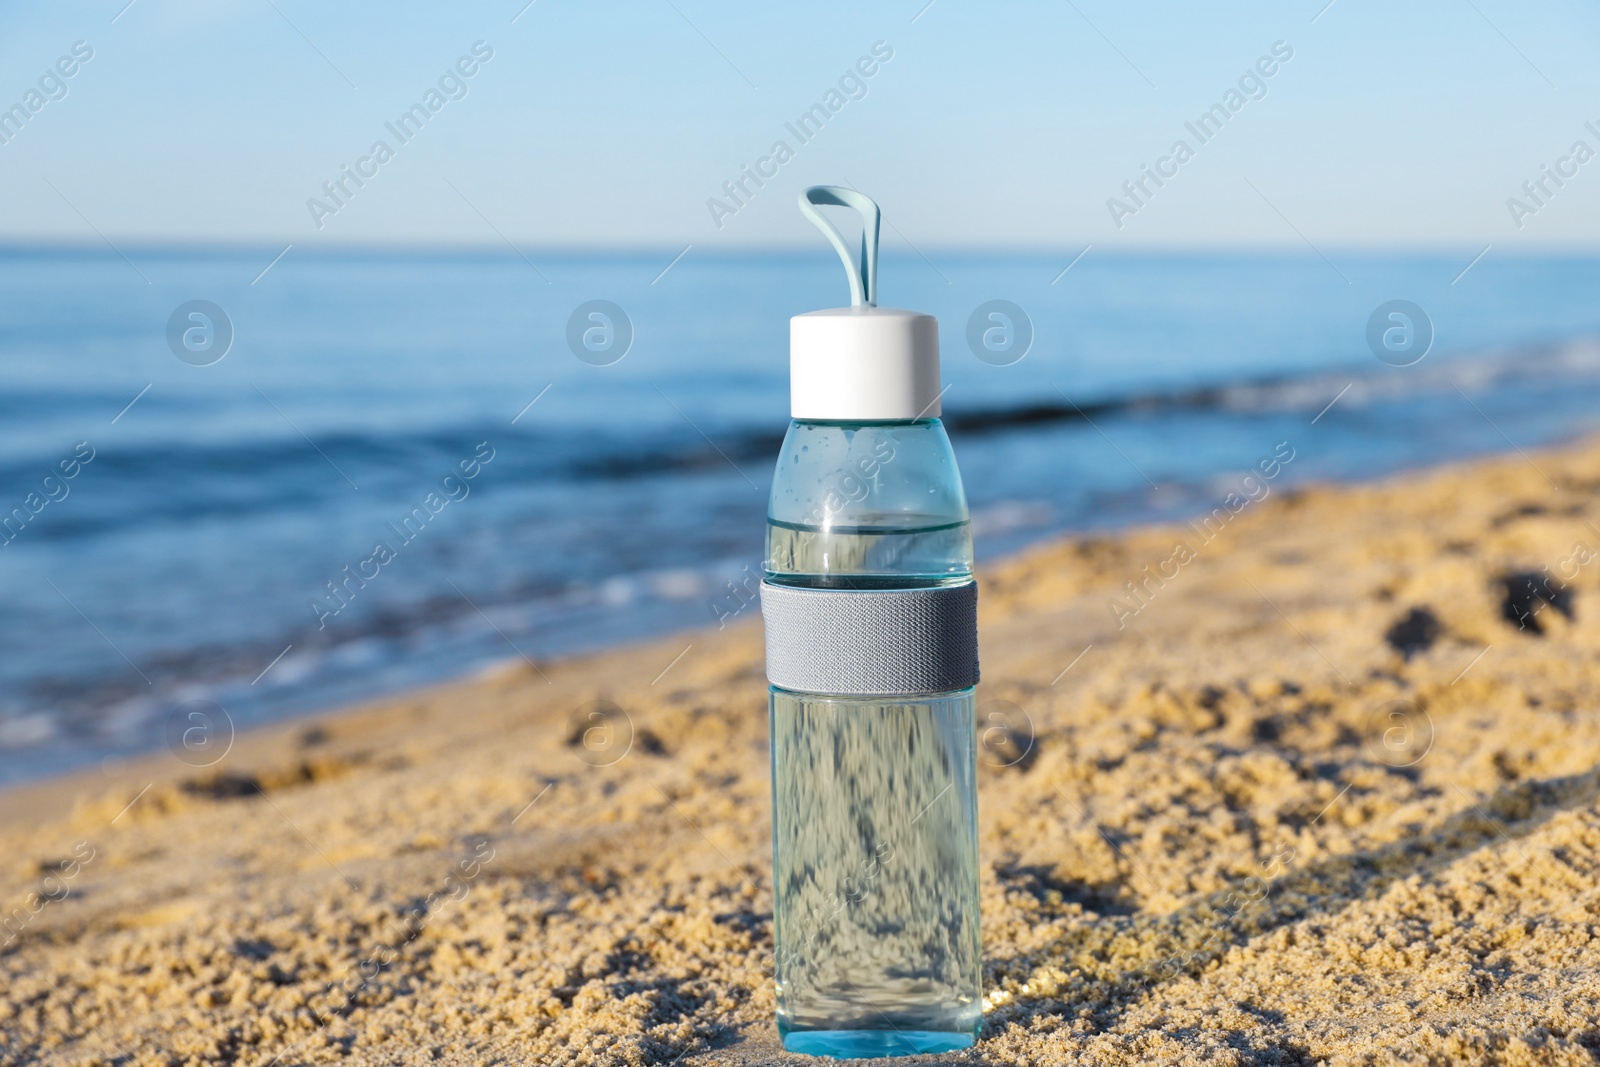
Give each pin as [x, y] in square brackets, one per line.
[189, 556]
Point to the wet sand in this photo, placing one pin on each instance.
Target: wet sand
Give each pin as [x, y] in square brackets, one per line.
[1325, 789]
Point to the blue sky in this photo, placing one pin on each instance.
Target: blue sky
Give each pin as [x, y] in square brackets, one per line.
[992, 124]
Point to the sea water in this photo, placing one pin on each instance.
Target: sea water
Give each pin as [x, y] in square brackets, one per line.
[207, 525]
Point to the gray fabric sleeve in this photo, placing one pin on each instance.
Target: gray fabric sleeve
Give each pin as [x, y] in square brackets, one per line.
[890, 642]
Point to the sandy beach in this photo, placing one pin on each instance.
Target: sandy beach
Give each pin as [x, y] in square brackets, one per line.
[1321, 786]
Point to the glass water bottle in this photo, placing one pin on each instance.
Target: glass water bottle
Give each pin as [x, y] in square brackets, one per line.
[875, 850]
[872, 655]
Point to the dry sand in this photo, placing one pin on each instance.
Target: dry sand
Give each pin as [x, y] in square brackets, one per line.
[1321, 799]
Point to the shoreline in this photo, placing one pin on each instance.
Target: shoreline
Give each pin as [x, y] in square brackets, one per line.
[1323, 775]
[345, 694]
[1044, 472]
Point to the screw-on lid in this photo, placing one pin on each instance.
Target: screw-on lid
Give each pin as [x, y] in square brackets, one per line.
[862, 362]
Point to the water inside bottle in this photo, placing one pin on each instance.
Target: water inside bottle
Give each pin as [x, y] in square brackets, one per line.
[912, 553]
[875, 865]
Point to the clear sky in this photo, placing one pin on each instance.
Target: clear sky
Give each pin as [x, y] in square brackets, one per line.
[1392, 124]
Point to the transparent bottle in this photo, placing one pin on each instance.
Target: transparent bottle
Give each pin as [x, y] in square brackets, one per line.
[875, 851]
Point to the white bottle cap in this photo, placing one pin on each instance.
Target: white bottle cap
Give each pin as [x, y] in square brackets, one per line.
[863, 363]
[860, 363]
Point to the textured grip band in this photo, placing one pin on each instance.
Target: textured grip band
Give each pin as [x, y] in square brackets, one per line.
[871, 642]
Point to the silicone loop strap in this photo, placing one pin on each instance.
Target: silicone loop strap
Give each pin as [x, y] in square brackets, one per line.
[892, 642]
[863, 278]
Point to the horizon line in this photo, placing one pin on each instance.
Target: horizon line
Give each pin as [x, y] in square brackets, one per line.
[480, 249]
